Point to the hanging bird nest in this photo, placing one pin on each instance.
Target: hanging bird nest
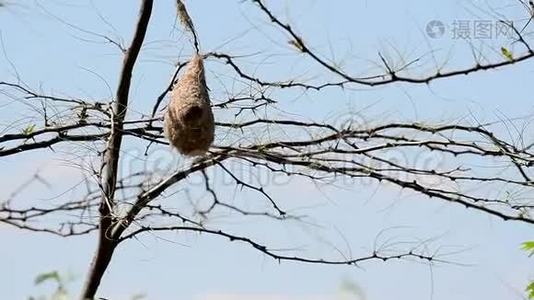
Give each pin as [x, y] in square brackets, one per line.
[189, 123]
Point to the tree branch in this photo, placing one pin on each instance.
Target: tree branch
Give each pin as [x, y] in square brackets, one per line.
[106, 245]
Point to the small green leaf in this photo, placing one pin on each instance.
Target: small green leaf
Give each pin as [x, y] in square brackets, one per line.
[528, 247]
[507, 53]
[530, 290]
[54, 275]
[298, 44]
[60, 294]
[28, 130]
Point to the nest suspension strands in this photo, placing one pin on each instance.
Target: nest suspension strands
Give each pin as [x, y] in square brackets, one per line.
[188, 122]
[187, 23]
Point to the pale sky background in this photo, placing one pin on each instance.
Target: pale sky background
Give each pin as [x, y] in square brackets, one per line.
[56, 57]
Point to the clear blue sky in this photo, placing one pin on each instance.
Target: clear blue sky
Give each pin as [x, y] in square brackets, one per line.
[61, 59]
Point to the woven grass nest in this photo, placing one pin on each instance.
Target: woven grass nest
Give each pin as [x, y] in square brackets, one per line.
[188, 121]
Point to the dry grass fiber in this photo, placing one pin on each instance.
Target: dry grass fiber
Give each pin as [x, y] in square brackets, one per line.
[188, 122]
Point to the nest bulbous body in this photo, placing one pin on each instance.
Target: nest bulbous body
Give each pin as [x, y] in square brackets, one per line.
[189, 123]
